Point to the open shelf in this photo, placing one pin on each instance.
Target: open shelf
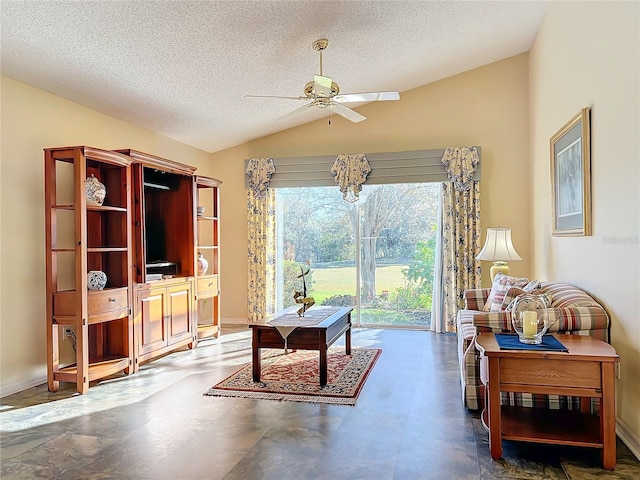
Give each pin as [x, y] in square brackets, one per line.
[106, 208]
[207, 330]
[559, 427]
[99, 367]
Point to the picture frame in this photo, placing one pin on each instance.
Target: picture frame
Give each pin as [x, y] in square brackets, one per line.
[571, 177]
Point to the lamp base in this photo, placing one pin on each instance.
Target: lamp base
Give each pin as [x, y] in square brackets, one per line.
[499, 267]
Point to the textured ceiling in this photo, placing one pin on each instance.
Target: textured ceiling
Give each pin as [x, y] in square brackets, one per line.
[182, 68]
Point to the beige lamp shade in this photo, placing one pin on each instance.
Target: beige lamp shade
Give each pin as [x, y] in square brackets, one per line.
[498, 248]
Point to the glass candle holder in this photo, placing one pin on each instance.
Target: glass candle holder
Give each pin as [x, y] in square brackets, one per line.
[529, 317]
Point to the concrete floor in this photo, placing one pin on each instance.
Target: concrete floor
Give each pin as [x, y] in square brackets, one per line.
[409, 423]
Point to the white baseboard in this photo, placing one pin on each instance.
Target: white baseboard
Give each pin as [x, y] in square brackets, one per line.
[629, 438]
[234, 321]
[21, 385]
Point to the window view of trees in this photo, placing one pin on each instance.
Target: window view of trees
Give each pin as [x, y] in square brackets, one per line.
[392, 228]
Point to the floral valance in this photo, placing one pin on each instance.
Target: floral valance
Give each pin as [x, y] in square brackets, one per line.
[461, 163]
[259, 171]
[350, 171]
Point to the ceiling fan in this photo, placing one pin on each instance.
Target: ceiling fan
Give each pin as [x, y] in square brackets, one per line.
[323, 92]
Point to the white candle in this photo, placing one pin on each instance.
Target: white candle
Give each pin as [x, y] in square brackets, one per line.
[529, 323]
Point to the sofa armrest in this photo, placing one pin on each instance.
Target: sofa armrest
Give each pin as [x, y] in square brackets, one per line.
[475, 298]
[593, 321]
[493, 321]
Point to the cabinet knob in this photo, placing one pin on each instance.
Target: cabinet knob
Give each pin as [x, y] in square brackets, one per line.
[112, 299]
[211, 284]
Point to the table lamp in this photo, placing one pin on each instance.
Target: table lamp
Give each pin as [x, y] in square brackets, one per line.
[498, 248]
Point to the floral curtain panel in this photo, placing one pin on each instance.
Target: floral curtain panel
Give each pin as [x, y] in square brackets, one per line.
[261, 239]
[350, 171]
[460, 233]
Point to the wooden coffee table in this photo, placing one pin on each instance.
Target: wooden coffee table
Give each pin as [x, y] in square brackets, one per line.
[586, 371]
[317, 337]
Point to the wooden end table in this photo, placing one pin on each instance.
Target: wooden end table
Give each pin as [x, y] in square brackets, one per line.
[317, 337]
[586, 371]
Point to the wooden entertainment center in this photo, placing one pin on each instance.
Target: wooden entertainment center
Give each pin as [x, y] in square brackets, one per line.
[146, 237]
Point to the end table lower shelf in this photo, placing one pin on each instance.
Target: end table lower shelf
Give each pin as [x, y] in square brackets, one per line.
[541, 425]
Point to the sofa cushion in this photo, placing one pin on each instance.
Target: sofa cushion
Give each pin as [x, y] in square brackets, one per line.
[565, 295]
[474, 299]
[501, 285]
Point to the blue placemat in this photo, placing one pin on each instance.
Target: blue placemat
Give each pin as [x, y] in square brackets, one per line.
[511, 342]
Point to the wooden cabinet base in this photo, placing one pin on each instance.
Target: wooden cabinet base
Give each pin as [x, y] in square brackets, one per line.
[163, 318]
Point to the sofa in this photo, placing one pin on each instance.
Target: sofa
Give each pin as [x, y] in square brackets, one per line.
[573, 311]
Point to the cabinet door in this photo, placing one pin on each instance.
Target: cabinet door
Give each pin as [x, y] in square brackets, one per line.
[180, 304]
[152, 321]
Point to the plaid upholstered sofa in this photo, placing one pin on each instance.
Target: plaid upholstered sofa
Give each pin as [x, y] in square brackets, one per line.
[574, 312]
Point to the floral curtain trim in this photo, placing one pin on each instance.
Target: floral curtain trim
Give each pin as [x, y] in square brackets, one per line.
[259, 171]
[350, 171]
[461, 163]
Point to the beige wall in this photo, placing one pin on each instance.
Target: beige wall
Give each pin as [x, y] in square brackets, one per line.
[586, 54]
[485, 107]
[32, 120]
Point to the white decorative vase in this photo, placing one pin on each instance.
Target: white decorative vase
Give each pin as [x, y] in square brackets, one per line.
[96, 280]
[96, 191]
[202, 264]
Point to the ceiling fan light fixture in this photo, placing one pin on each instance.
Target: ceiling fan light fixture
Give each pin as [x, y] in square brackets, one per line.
[323, 92]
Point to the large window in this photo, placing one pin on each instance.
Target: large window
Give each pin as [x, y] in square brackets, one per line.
[376, 255]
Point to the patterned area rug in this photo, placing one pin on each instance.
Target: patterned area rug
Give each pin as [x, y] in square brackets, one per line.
[295, 377]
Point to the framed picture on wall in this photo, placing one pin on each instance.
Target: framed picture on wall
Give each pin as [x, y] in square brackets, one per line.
[571, 177]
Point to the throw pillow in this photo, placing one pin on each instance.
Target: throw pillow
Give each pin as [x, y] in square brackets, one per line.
[501, 285]
[511, 294]
[531, 286]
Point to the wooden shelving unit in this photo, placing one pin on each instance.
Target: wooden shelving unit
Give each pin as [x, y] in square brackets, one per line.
[207, 235]
[145, 237]
[81, 238]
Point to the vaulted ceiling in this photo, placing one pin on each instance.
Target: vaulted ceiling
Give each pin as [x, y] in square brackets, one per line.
[183, 68]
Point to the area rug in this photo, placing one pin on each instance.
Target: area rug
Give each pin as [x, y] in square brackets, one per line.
[295, 377]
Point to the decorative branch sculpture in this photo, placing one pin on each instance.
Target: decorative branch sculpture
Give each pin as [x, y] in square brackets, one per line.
[301, 297]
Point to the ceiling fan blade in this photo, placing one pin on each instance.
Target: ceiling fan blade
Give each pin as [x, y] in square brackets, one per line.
[297, 111]
[322, 85]
[275, 96]
[347, 113]
[367, 97]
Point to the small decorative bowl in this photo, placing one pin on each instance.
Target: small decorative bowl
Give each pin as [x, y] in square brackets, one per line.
[96, 280]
